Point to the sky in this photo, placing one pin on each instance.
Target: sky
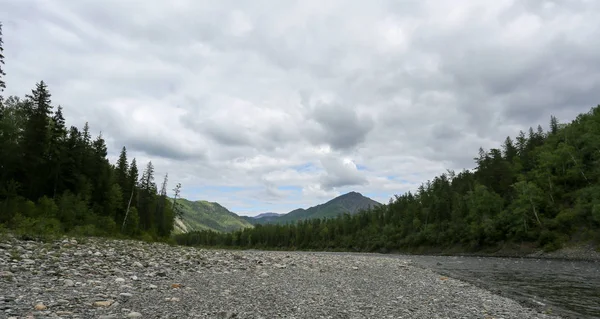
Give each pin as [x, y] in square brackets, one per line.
[267, 106]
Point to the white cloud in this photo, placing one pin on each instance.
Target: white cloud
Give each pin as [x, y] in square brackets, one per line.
[284, 101]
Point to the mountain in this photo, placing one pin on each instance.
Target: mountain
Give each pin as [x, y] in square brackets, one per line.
[203, 215]
[262, 218]
[350, 203]
[267, 215]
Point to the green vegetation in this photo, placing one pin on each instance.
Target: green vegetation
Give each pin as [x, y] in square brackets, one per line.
[56, 180]
[542, 189]
[203, 215]
[350, 203]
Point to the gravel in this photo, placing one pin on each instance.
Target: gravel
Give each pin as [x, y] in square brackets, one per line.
[98, 278]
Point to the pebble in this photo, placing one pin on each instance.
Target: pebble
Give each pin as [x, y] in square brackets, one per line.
[91, 279]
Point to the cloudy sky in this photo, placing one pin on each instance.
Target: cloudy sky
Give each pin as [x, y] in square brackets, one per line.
[273, 105]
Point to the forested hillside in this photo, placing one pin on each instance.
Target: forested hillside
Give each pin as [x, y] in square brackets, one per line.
[204, 215]
[542, 188]
[57, 179]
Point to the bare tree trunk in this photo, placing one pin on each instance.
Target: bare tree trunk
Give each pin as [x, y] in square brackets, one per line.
[127, 212]
[534, 211]
[551, 190]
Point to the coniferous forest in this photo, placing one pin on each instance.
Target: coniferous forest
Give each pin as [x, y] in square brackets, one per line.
[57, 180]
[542, 189]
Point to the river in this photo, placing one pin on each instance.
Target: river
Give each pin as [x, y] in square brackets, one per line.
[568, 288]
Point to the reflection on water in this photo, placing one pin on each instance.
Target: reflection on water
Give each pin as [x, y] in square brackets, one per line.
[569, 288]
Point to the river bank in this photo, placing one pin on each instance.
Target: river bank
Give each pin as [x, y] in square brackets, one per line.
[100, 278]
[578, 251]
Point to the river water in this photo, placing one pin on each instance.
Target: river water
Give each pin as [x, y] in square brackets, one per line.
[570, 289]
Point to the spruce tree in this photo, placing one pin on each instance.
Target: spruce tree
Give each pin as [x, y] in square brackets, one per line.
[2, 73]
[36, 140]
[58, 138]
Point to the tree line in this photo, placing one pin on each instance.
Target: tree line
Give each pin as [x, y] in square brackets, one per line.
[542, 188]
[56, 179]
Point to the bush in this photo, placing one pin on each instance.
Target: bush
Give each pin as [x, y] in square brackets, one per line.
[551, 241]
[41, 229]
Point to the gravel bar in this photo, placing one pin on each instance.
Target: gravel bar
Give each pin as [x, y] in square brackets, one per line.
[100, 278]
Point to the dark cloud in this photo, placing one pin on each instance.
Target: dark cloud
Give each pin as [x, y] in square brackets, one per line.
[340, 126]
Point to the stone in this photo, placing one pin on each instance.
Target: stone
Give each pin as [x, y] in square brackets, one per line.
[120, 280]
[40, 306]
[69, 283]
[103, 303]
[138, 264]
[134, 315]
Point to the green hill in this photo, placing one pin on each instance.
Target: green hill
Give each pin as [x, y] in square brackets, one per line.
[204, 215]
[350, 203]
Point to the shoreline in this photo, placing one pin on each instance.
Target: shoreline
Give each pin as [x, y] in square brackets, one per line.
[582, 252]
[131, 279]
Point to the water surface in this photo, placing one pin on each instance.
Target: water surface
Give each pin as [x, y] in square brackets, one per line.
[568, 288]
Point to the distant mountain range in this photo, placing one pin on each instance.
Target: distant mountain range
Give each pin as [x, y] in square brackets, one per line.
[203, 215]
[350, 203]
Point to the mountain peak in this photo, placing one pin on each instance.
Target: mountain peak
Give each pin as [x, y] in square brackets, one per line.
[349, 203]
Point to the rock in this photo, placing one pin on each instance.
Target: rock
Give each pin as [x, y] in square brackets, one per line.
[108, 317]
[104, 303]
[125, 295]
[175, 286]
[138, 264]
[69, 283]
[119, 280]
[134, 315]
[280, 266]
[354, 268]
[227, 314]
[40, 306]
[151, 286]
[264, 275]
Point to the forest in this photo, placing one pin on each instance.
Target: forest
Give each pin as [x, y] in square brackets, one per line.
[541, 189]
[57, 180]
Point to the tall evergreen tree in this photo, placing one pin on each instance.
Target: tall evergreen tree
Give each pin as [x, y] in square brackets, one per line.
[36, 140]
[2, 73]
[147, 197]
[57, 154]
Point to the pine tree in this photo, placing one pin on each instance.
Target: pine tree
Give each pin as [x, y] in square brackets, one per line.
[122, 168]
[177, 190]
[553, 125]
[36, 140]
[58, 138]
[2, 73]
[147, 198]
